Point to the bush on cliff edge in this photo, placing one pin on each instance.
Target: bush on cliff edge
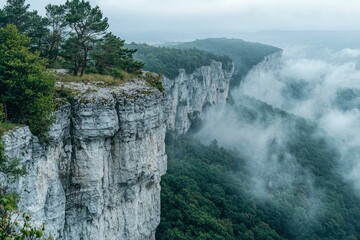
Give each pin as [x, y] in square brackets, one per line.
[27, 88]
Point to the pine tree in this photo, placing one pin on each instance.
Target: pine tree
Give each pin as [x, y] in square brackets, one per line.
[88, 25]
[56, 22]
[110, 54]
[16, 12]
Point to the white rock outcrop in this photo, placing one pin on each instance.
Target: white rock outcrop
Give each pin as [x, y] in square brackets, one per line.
[189, 95]
[99, 177]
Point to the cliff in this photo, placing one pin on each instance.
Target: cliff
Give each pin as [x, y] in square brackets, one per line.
[99, 177]
[189, 95]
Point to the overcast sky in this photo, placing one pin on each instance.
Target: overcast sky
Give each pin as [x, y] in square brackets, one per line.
[221, 17]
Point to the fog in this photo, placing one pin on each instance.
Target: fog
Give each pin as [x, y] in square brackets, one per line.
[323, 88]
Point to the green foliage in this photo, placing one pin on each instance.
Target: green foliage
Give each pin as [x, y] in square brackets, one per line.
[38, 33]
[2, 113]
[70, 50]
[16, 12]
[14, 225]
[88, 25]
[55, 16]
[215, 184]
[6, 126]
[110, 56]
[72, 36]
[27, 88]
[154, 80]
[244, 54]
[203, 198]
[292, 210]
[168, 61]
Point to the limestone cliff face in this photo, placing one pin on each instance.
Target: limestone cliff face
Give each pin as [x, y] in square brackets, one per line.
[99, 177]
[189, 95]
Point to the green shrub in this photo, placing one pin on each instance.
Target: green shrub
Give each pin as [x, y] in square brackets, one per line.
[27, 87]
[154, 80]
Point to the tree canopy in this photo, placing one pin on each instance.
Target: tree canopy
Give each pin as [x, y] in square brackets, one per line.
[209, 192]
[87, 25]
[69, 35]
[27, 87]
[244, 54]
[168, 61]
[16, 12]
[55, 15]
[110, 54]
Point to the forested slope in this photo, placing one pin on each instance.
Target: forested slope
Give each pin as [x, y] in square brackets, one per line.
[244, 54]
[211, 192]
[168, 61]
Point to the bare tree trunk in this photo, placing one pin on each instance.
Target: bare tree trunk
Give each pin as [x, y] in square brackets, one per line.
[5, 111]
[84, 61]
[76, 68]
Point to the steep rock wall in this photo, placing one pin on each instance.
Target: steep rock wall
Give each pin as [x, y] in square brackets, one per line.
[190, 94]
[99, 177]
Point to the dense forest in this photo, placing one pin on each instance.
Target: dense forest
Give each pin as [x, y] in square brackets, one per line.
[203, 195]
[189, 56]
[244, 54]
[208, 192]
[168, 61]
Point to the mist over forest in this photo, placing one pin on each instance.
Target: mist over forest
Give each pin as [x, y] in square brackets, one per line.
[323, 90]
[291, 128]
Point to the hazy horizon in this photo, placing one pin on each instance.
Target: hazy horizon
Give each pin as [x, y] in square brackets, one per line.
[175, 20]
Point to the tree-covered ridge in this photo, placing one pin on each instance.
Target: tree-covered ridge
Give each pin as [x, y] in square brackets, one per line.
[208, 192]
[168, 61]
[244, 54]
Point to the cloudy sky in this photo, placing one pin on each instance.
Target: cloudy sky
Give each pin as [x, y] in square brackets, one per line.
[222, 17]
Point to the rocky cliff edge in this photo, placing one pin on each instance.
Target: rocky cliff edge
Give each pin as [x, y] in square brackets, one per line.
[99, 177]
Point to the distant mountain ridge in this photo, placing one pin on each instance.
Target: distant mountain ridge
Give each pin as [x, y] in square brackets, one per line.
[245, 54]
[168, 59]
